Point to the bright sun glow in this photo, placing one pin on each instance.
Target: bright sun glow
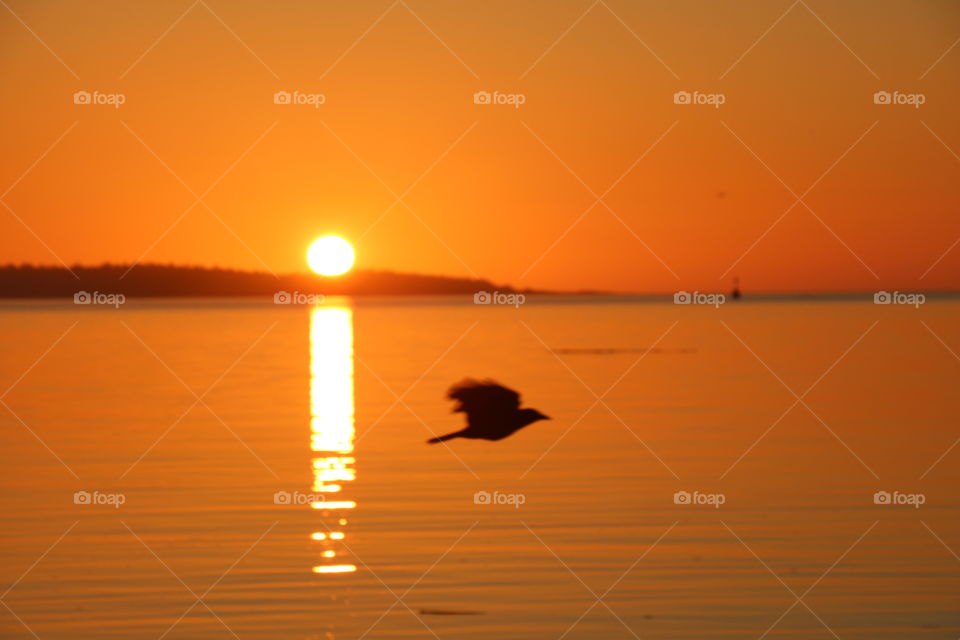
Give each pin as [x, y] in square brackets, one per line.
[330, 256]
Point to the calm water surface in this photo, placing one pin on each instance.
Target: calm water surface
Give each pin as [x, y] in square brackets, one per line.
[274, 480]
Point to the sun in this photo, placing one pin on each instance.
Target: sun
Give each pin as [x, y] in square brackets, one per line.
[330, 256]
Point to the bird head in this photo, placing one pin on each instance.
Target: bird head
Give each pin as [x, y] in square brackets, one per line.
[529, 416]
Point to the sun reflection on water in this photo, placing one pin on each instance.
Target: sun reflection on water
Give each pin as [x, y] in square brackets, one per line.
[332, 426]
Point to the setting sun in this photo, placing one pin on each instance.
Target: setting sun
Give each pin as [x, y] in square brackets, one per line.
[330, 256]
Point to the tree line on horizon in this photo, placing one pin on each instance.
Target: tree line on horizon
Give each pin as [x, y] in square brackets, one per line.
[158, 280]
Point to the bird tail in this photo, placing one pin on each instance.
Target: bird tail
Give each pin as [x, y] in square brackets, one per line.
[449, 436]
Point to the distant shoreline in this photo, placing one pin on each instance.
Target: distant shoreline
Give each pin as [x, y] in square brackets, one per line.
[26, 282]
[171, 281]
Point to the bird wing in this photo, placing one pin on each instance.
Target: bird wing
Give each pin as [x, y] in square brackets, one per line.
[484, 402]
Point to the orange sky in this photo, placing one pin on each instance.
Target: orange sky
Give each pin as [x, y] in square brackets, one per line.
[491, 190]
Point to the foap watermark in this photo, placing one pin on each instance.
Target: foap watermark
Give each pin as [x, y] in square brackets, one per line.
[297, 497]
[295, 297]
[898, 97]
[95, 297]
[495, 97]
[711, 299]
[515, 500]
[696, 97]
[897, 498]
[297, 97]
[699, 498]
[497, 297]
[99, 98]
[899, 297]
[114, 500]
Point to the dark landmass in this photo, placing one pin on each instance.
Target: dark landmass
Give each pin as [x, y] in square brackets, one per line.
[155, 280]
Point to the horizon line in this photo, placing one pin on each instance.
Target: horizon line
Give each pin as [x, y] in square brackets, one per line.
[803, 292]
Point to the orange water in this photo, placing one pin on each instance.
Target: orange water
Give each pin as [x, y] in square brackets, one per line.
[306, 401]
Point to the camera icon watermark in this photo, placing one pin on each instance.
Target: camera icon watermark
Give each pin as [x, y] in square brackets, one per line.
[495, 97]
[116, 500]
[297, 498]
[496, 297]
[298, 98]
[897, 498]
[95, 297]
[711, 299]
[98, 98]
[295, 297]
[696, 97]
[516, 500]
[899, 297]
[899, 98]
[699, 498]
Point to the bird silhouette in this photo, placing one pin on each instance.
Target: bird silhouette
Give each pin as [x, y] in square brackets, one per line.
[493, 411]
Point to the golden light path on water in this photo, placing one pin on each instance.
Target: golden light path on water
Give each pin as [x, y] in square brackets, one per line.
[332, 425]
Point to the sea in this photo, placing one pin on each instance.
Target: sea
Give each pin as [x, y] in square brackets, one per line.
[770, 467]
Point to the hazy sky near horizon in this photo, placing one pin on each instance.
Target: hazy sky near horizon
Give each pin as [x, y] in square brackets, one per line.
[798, 181]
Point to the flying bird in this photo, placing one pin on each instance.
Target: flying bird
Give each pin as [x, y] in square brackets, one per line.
[493, 411]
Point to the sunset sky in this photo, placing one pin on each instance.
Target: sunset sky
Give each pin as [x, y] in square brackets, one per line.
[200, 166]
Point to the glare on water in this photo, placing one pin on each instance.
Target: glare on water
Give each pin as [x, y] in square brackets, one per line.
[332, 422]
